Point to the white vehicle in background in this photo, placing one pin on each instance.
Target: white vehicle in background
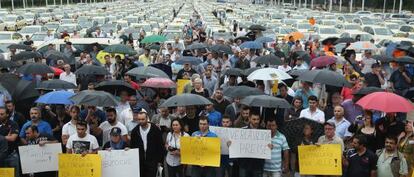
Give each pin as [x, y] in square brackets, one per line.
[70, 29]
[346, 27]
[38, 38]
[45, 17]
[30, 18]
[14, 22]
[10, 35]
[30, 30]
[3, 47]
[326, 31]
[394, 27]
[364, 36]
[304, 27]
[378, 32]
[363, 13]
[52, 26]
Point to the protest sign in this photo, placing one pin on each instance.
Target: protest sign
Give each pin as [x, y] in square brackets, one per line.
[181, 84]
[120, 163]
[320, 160]
[74, 165]
[201, 151]
[7, 172]
[35, 158]
[245, 143]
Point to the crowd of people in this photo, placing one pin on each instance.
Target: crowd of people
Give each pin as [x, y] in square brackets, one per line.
[373, 143]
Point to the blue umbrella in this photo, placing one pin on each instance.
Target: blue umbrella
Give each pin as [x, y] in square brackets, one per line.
[264, 39]
[56, 97]
[251, 45]
[390, 49]
[188, 59]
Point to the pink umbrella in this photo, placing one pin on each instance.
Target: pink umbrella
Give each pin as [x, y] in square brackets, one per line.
[159, 83]
[323, 61]
[385, 102]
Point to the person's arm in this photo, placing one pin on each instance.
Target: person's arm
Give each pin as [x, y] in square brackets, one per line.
[406, 77]
[69, 151]
[380, 78]
[285, 160]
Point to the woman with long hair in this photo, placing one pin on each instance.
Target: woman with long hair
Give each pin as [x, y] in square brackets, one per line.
[406, 145]
[368, 130]
[172, 144]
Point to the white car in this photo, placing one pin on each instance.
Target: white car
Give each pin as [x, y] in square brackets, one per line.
[14, 22]
[364, 36]
[379, 32]
[70, 28]
[10, 35]
[325, 32]
[30, 30]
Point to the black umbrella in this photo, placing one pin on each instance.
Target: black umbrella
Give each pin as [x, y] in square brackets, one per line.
[91, 70]
[368, 90]
[9, 81]
[257, 27]
[268, 60]
[154, 46]
[55, 55]
[297, 72]
[247, 72]
[324, 76]
[147, 72]
[382, 59]
[94, 98]
[221, 48]
[7, 64]
[19, 46]
[293, 131]
[345, 40]
[26, 55]
[163, 67]
[243, 38]
[115, 87]
[265, 101]
[329, 40]
[404, 60]
[302, 54]
[196, 46]
[185, 99]
[56, 84]
[24, 90]
[89, 48]
[34, 68]
[241, 91]
[188, 59]
[233, 72]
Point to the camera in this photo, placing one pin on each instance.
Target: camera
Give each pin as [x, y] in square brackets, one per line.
[172, 148]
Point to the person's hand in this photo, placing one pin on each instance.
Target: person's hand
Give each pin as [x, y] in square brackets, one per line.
[42, 143]
[109, 149]
[285, 168]
[84, 153]
[270, 146]
[228, 143]
[47, 107]
[317, 144]
[126, 149]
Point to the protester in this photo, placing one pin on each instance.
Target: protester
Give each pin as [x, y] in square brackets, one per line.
[279, 162]
[313, 112]
[116, 141]
[390, 161]
[111, 122]
[10, 130]
[359, 160]
[42, 126]
[175, 169]
[341, 123]
[330, 137]
[82, 142]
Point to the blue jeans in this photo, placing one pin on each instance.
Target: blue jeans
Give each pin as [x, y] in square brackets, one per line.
[250, 173]
[13, 161]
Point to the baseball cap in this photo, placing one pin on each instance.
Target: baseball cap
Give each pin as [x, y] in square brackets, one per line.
[116, 131]
[375, 65]
[139, 110]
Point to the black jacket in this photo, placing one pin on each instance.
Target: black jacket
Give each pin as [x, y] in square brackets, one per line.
[155, 148]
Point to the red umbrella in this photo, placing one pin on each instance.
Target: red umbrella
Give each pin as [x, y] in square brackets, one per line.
[159, 83]
[323, 61]
[385, 102]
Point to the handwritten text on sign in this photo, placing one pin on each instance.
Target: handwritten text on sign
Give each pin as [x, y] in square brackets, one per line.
[120, 163]
[74, 165]
[320, 160]
[200, 151]
[35, 158]
[245, 143]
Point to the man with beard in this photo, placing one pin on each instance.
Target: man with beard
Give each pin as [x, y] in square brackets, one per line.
[360, 161]
[219, 102]
[111, 122]
[390, 161]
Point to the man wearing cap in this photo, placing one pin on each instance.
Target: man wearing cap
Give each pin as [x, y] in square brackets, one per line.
[131, 124]
[375, 77]
[111, 122]
[115, 142]
[147, 138]
[330, 136]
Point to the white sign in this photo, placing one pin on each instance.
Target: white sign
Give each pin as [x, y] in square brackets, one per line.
[245, 143]
[120, 163]
[35, 158]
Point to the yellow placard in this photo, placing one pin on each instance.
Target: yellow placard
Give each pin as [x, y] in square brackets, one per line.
[320, 160]
[201, 151]
[181, 84]
[74, 165]
[7, 172]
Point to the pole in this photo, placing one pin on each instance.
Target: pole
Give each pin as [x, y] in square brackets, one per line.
[350, 6]
[330, 5]
[383, 8]
[311, 4]
[54, 2]
[300, 3]
[363, 5]
[12, 3]
[67, 2]
[340, 5]
[47, 3]
[400, 10]
[306, 4]
[393, 7]
[61, 2]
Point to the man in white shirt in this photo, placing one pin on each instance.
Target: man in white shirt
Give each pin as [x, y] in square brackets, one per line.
[49, 36]
[340, 122]
[69, 128]
[123, 105]
[111, 122]
[82, 142]
[68, 76]
[313, 112]
[126, 115]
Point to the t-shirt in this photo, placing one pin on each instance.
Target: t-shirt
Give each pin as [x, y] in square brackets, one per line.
[106, 130]
[361, 165]
[372, 80]
[10, 127]
[41, 137]
[79, 145]
[70, 129]
[42, 126]
[280, 144]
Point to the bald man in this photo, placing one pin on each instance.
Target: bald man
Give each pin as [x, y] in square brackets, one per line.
[340, 122]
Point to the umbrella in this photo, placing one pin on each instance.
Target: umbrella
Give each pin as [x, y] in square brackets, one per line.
[89, 47]
[7, 64]
[302, 54]
[257, 27]
[293, 131]
[247, 72]
[147, 72]
[382, 59]
[91, 70]
[329, 40]
[233, 72]
[154, 47]
[159, 83]
[56, 97]
[55, 55]
[19, 46]
[35, 68]
[345, 40]
[404, 60]
[268, 60]
[251, 45]
[25, 55]
[269, 74]
[188, 59]
[297, 72]
[242, 38]
[56, 84]
[94, 98]
[24, 90]
[115, 87]
[390, 49]
[385, 102]
[163, 67]
[185, 99]
[9, 81]
[265, 101]
[362, 45]
[296, 35]
[368, 90]
[264, 39]
[241, 91]
[196, 46]
[120, 48]
[153, 39]
[222, 48]
[324, 76]
[323, 61]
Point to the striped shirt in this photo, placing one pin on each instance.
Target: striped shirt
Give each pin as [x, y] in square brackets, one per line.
[280, 144]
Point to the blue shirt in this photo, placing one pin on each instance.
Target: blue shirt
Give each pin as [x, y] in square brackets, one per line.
[214, 118]
[208, 134]
[43, 127]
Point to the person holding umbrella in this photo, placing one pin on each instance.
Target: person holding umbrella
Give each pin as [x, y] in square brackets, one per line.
[400, 80]
[199, 89]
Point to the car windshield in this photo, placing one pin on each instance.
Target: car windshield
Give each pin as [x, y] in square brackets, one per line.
[352, 27]
[10, 19]
[382, 31]
[69, 29]
[393, 26]
[226, 35]
[363, 37]
[171, 36]
[86, 24]
[327, 31]
[51, 26]
[304, 26]
[3, 47]
[5, 36]
[367, 21]
[329, 23]
[38, 37]
[29, 29]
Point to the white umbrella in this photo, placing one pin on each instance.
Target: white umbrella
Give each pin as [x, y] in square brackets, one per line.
[269, 74]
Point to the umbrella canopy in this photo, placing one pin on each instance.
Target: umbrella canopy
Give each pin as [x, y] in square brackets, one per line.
[323, 61]
[147, 72]
[19, 46]
[385, 102]
[188, 59]
[153, 39]
[247, 72]
[34, 68]
[329, 40]
[345, 40]
[91, 70]
[120, 48]
[269, 74]
[7, 64]
[24, 90]
[302, 54]
[9, 81]
[56, 97]
[115, 87]
[296, 36]
[26, 55]
[186, 99]
[56, 84]
[94, 98]
[257, 27]
[368, 90]
[159, 83]
[242, 38]
[233, 72]
[362, 45]
[154, 47]
[268, 60]
[251, 45]
[382, 59]
[404, 60]
[241, 91]
[55, 55]
[196, 46]
[293, 131]
[324, 76]
[265, 101]
[89, 47]
[221, 48]
[264, 39]
[297, 72]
